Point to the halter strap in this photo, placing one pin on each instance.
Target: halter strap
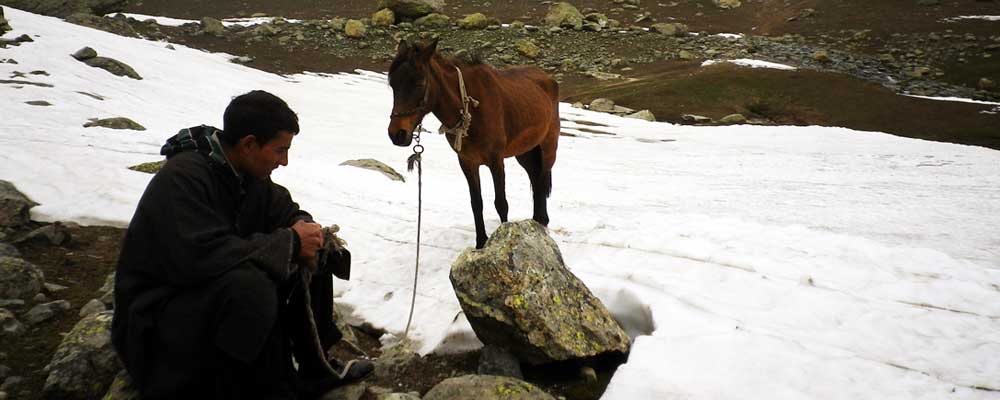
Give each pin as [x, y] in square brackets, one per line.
[462, 129]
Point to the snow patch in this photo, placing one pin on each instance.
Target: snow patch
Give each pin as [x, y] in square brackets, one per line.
[751, 63]
[167, 21]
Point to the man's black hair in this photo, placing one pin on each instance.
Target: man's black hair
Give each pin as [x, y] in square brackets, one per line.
[257, 113]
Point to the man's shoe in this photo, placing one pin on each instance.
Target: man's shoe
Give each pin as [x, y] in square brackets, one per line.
[314, 386]
[353, 370]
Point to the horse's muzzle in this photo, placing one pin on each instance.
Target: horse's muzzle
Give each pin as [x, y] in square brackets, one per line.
[401, 138]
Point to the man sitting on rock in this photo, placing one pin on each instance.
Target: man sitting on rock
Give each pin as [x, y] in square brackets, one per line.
[209, 294]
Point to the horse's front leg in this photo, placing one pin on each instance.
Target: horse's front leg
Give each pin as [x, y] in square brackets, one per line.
[499, 188]
[471, 172]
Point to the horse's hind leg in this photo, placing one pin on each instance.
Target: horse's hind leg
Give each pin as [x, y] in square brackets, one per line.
[471, 172]
[541, 182]
[499, 188]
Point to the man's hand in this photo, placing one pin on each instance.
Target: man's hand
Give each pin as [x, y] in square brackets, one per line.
[311, 238]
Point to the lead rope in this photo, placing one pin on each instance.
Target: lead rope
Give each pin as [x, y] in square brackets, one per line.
[462, 129]
[306, 280]
[415, 160]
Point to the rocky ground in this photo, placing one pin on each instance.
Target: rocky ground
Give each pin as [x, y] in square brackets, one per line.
[855, 57]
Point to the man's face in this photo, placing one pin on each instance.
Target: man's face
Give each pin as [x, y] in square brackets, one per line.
[261, 160]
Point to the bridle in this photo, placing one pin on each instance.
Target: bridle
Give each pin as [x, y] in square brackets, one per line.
[420, 108]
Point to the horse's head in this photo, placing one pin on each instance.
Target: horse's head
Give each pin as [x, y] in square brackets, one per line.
[410, 89]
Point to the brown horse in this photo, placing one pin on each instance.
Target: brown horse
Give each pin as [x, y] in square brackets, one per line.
[517, 115]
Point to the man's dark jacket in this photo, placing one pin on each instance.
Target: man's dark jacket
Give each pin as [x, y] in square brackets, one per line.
[197, 219]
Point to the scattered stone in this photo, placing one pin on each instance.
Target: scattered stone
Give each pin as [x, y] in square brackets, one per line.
[928, 2]
[4, 372]
[685, 55]
[986, 84]
[115, 123]
[643, 115]
[433, 20]
[670, 29]
[14, 207]
[602, 105]
[397, 396]
[4, 25]
[11, 302]
[412, 9]
[92, 307]
[107, 291]
[19, 279]
[40, 298]
[727, 4]
[564, 15]
[10, 383]
[698, 119]
[919, 72]
[93, 96]
[528, 48]
[375, 165]
[85, 53]
[122, 389]
[241, 59]
[54, 288]
[821, 56]
[518, 294]
[8, 250]
[85, 362]
[9, 325]
[395, 359]
[150, 167]
[212, 26]
[56, 234]
[39, 103]
[355, 29]
[733, 119]
[384, 18]
[113, 66]
[30, 83]
[496, 361]
[45, 311]
[485, 387]
[588, 374]
[474, 21]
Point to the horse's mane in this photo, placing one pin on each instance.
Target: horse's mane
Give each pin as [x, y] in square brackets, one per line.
[459, 58]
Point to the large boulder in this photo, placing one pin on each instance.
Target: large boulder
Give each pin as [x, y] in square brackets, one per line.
[518, 295]
[19, 279]
[64, 8]
[564, 15]
[212, 26]
[355, 29]
[122, 388]
[485, 387]
[412, 9]
[474, 21]
[113, 66]
[14, 206]
[384, 18]
[433, 20]
[85, 363]
[114, 123]
[45, 311]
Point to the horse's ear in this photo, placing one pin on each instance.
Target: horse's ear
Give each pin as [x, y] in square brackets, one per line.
[403, 46]
[432, 47]
[425, 49]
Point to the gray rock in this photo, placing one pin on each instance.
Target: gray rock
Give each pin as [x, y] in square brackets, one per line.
[698, 119]
[474, 21]
[9, 325]
[527, 48]
[10, 383]
[107, 291]
[121, 388]
[85, 362]
[4, 372]
[383, 18]
[113, 66]
[39, 103]
[394, 360]
[733, 119]
[727, 4]
[375, 165]
[518, 294]
[54, 288]
[8, 250]
[564, 15]
[19, 279]
[40, 298]
[92, 307]
[355, 29]
[986, 84]
[212, 26]
[151, 167]
[643, 115]
[45, 311]
[115, 123]
[928, 2]
[349, 392]
[11, 302]
[56, 234]
[602, 105]
[485, 387]
[85, 53]
[4, 25]
[412, 9]
[499, 362]
[398, 396]
[14, 207]
[433, 20]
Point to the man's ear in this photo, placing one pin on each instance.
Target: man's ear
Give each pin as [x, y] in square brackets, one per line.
[248, 142]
